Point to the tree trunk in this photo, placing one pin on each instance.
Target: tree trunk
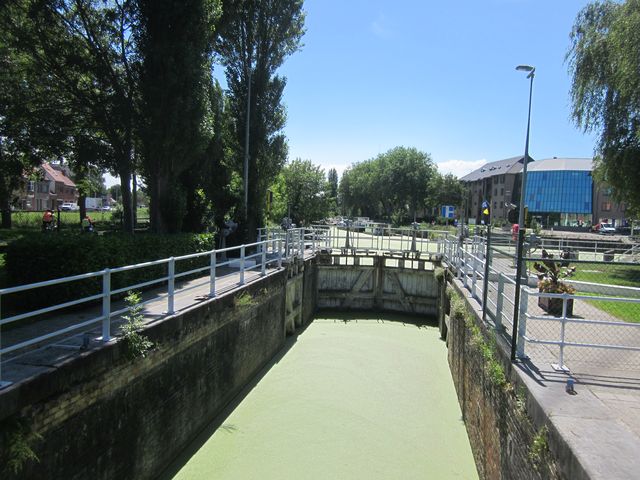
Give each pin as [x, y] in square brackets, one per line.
[127, 210]
[134, 198]
[5, 203]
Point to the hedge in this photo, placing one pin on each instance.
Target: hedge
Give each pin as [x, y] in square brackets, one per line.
[42, 257]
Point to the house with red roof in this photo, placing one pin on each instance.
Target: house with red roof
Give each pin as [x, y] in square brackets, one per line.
[51, 188]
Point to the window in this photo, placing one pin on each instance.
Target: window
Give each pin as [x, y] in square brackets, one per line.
[495, 192]
[606, 206]
[502, 192]
[31, 187]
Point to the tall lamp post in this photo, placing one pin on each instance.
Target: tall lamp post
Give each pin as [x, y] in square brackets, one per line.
[520, 265]
[521, 219]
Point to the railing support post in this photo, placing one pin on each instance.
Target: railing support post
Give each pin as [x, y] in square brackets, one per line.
[106, 305]
[487, 266]
[263, 270]
[499, 303]
[242, 265]
[212, 274]
[171, 286]
[522, 325]
[280, 252]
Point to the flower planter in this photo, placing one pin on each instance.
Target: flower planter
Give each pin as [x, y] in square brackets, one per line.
[554, 306]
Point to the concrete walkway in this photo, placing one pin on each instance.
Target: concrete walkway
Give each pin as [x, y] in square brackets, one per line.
[30, 361]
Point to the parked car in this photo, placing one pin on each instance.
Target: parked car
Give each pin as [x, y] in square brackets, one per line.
[69, 206]
[106, 208]
[604, 228]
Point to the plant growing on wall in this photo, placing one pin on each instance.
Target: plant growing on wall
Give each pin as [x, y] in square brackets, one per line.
[17, 442]
[137, 345]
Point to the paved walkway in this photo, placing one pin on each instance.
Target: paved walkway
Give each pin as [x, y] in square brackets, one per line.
[24, 363]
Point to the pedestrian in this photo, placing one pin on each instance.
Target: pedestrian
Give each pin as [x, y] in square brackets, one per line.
[47, 220]
[87, 224]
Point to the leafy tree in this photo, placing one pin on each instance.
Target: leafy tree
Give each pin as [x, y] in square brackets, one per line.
[254, 38]
[84, 54]
[301, 191]
[332, 179]
[604, 61]
[444, 190]
[394, 184]
[174, 41]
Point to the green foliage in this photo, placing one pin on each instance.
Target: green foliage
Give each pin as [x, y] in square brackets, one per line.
[44, 257]
[301, 188]
[17, 442]
[254, 40]
[550, 273]
[137, 345]
[174, 40]
[243, 300]
[392, 186]
[540, 445]
[604, 60]
[487, 348]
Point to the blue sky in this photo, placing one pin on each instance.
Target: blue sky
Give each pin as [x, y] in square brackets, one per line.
[438, 76]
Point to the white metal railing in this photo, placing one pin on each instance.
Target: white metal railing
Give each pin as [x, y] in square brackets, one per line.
[468, 262]
[266, 253]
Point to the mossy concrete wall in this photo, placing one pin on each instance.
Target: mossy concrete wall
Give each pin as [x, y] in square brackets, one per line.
[103, 416]
[508, 440]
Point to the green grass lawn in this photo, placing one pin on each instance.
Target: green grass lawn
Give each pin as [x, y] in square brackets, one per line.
[629, 312]
[608, 273]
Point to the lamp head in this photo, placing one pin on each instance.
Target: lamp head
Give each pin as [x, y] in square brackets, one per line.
[527, 68]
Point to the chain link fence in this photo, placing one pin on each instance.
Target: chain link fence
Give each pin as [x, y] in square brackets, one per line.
[579, 302]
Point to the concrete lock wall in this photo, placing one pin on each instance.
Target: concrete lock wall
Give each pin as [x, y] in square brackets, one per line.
[498, 418]
[102, 416]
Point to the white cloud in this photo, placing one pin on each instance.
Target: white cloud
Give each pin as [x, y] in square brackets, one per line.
[459, 167]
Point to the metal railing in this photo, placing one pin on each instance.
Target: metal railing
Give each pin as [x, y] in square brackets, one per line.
[257, 257]
[491, 281]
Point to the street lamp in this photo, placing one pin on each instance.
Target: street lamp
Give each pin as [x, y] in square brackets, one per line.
[520, 264]
[521, 219]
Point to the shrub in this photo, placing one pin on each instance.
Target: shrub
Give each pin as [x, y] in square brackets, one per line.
[44, 257]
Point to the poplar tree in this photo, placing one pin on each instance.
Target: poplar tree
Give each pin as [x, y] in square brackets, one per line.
[253, 40]
[174, 41]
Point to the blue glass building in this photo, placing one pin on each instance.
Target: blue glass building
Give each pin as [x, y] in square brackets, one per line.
[560, 191]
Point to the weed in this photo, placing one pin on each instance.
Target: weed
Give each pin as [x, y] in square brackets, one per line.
[244, 300]
[137, 345]
[540, 445]
[18, 440]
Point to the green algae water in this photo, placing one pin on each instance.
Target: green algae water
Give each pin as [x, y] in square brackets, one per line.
[353, 398]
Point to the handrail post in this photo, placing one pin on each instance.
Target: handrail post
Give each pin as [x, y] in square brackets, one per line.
[263, 270]
[171, 285]
[279, 252]
[242, 265]
[499, 303]
[487, 274]
[563, 323]
[2, 384]
[522, 325]
[301, 235]
[212, 274]
[106, 305]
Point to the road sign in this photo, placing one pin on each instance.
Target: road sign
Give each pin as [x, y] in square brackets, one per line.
[447, 211]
